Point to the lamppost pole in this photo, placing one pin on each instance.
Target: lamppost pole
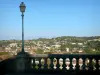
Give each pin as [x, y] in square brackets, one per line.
[22, 32]
[22, 9]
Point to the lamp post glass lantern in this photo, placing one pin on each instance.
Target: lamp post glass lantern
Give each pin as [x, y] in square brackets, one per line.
[22, 9]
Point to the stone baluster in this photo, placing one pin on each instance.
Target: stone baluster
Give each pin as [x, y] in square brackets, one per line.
[48, 63]
[87, 62]
[99, 64]
[94, 64]
[74, 63]
[42, 63]
[55, 63]
[61, 63]
[80, 63]
[36, 63]
[67, 62]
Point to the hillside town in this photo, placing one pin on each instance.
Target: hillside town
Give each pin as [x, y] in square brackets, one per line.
[58, 45]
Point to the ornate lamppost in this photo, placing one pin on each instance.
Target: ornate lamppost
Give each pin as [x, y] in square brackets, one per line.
[22, 9]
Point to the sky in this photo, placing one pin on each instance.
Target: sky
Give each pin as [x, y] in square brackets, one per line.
[49, 18]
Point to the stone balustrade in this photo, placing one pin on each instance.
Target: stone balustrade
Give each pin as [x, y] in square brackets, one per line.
[65, 62]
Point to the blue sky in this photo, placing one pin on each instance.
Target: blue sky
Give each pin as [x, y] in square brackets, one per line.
[50, 18]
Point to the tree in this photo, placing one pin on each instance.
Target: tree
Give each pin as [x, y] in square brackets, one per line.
[63, 47]
[39, 51]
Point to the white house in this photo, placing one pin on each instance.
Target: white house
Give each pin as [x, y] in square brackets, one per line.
[80, 43]
[67, 49]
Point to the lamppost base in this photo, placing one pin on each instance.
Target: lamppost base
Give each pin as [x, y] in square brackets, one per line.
[23, 54]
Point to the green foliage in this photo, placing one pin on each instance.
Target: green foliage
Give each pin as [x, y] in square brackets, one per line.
[4, 53]
[39, 51]
[64, 41]
[94, 45]
[63, 47]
